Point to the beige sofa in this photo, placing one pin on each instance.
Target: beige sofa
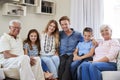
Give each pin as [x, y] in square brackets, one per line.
[12, 74]
[111, 75]
[106, 75]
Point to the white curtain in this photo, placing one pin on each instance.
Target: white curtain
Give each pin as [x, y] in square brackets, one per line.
[87, 13]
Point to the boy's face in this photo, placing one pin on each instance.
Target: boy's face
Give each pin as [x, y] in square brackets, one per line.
[87, 36]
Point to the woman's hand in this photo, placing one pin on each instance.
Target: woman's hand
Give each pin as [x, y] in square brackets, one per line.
[56, 53]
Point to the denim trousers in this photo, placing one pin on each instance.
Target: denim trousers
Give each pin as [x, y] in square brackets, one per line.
[74, 66]
[52, 63]
[92, 70]
[73, 69]
[44, 66]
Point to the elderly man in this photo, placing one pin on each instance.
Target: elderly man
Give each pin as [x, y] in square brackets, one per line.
[15, 63]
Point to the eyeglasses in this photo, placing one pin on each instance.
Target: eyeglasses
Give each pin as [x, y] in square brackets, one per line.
[16, 27]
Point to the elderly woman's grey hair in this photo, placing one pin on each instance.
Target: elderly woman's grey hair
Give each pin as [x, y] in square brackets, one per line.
[16, 21]
[105, 26]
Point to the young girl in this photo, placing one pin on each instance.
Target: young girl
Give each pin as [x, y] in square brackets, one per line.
[32, 49]
[49, 47]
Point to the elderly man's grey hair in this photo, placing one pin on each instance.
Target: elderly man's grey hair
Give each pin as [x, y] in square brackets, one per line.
[105, 26]
[12, 21]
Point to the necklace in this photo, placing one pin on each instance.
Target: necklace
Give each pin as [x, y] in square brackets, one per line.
[48, 44]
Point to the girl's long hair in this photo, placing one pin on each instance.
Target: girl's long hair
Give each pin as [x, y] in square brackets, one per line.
[55, 33]
[37, 43]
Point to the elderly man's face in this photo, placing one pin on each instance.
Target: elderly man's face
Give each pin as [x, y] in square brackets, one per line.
[15, 29]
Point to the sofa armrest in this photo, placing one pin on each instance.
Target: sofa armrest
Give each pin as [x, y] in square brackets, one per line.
[111, 75]
[2, 75]
[0, 65]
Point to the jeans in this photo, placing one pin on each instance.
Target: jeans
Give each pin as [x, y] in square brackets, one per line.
[75, 64]
[44, 66]
[52, 63]
[92, 71]
[73, 69]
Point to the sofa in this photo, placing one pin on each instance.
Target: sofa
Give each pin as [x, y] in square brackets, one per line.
[106, 75]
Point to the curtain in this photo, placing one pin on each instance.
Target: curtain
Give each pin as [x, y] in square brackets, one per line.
[87, 13]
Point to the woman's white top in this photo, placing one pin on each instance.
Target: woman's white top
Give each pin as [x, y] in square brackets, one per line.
[47, 45]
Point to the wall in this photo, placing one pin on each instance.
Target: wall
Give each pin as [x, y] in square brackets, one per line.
[32, 20]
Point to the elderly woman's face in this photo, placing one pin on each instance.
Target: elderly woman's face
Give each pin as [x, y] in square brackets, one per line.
[106, 33]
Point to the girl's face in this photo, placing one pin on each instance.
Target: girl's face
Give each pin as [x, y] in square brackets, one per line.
[87, 36]
[106, 33]
[33, 37]
[51, 28]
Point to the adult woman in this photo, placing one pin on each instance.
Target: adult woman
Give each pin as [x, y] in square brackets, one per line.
[104, 58]
[49, 47]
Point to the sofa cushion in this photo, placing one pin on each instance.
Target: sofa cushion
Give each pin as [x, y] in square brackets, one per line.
[111, 75]
[12, 73]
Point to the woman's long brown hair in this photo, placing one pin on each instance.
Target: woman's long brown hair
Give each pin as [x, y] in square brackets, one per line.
[55, 33]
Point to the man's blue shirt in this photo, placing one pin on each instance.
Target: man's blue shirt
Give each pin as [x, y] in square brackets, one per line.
[69, 43]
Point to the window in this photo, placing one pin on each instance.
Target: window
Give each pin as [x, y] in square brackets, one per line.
[112, 16]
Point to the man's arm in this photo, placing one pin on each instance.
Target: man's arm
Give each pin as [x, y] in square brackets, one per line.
[7, 54]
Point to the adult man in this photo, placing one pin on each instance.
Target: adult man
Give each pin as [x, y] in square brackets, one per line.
[68, 41]
[15, 63]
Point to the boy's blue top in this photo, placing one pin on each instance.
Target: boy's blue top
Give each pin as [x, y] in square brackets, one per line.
[69, 43]
[33, 52]
[84, 47]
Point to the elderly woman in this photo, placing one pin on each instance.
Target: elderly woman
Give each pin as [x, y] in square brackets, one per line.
[104, 59]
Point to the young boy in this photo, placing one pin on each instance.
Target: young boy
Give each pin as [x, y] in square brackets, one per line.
[83, 52]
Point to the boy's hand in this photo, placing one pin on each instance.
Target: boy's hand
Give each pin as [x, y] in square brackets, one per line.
[76, 57]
